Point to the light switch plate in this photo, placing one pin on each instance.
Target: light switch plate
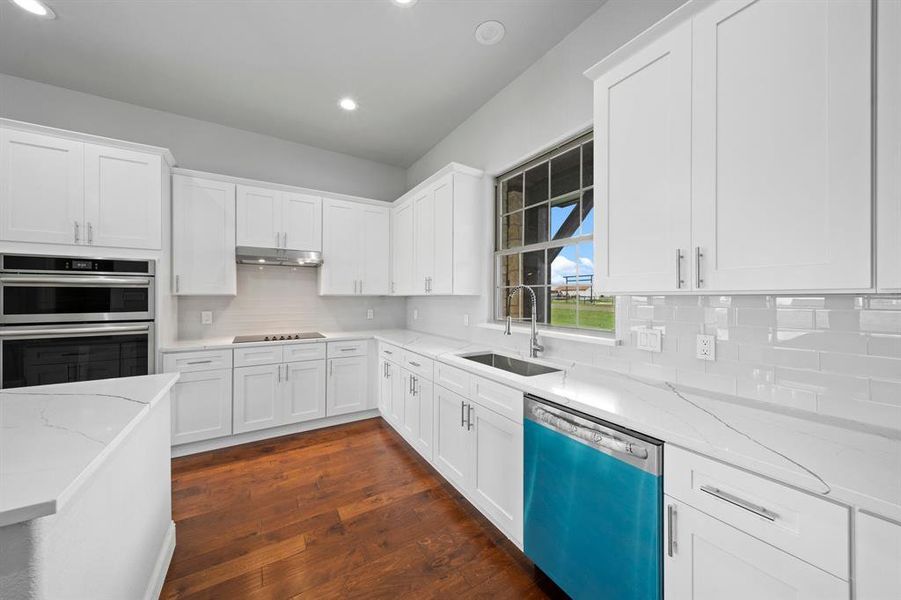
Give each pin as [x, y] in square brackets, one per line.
[206, 317]
[415, 313]
[650, 339]
[369, 314]
[466, 320]
[706, 349]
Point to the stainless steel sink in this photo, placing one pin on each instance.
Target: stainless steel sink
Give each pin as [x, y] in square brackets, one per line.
[511, 365]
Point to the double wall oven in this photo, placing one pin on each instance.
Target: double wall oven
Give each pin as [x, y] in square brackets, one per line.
[74, 319]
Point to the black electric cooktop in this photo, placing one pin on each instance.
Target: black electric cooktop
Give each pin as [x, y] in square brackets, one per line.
[279, 337]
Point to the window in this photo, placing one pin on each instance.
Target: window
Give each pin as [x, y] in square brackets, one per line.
[545, 240]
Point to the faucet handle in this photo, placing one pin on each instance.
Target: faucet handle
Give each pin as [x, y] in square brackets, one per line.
[507, 326]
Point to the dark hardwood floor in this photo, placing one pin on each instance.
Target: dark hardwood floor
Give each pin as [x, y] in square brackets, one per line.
[344, 512]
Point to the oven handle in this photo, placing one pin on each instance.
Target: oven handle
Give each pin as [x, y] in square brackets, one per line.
[38, 332]
[80, 281]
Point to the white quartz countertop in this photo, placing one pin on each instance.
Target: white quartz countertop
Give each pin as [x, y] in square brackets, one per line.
[53, 437]
[854, 464]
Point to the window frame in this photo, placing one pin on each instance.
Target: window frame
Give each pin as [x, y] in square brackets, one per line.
[575, 241]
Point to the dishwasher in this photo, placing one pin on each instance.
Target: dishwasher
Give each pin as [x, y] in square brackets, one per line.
[593, 498]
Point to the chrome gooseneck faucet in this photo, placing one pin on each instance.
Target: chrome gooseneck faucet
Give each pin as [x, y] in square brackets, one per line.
[534, 346]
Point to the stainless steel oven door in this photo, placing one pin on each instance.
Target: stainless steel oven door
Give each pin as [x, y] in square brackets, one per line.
[45, 354]
[37, 298]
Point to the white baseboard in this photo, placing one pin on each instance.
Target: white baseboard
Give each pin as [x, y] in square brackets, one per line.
[255, 436]
[155, 585]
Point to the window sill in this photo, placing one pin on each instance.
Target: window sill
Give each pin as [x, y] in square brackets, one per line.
[584, 338]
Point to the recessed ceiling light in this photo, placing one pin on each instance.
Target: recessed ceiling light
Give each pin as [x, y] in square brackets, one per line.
[404, 3]
[35, 7]
[490, 32]
[347, 103]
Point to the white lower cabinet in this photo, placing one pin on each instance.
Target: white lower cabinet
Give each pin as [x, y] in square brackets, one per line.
[706, 559]
[348, 385]
[386, 370]
[878, 558]
[202, 406]
[303, 392]
[497, 469]
[452, 450]
[257, 397]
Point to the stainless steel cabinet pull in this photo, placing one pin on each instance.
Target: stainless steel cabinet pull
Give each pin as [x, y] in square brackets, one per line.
[347, 349]
[284, 239]
[331, 368]
[361, 286]
[469, 417]
[286, 373]
[740, 502]
[279, 374]
[199, 362]
[679, 256]
[277, 245]
[670, 530]
[425, 285]
[415, 364]
[462, 417]
[699, 281]
[415, 381]
[90, 232]
[77, 227]
[410, 384]
[176, 283]
[388, 352]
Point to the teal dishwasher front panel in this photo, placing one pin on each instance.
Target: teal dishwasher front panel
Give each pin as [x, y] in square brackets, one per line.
[592, 522]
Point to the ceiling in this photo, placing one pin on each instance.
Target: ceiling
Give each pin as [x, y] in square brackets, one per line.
[278, 67]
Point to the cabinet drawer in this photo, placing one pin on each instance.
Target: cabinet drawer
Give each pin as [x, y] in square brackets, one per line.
[258, 355]
[803, 525]
[419, 365]
[452, 378]
[352, 348]
[499, 398]
[390, 352]
[201, 360]
[296, 352]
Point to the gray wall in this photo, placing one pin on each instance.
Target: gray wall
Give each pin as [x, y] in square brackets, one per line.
[200, 144]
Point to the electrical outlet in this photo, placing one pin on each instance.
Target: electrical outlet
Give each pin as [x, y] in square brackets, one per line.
[369, 314]
[650, 339]
[206, 317]
[466, 320]
[706, 349]
[415, 313]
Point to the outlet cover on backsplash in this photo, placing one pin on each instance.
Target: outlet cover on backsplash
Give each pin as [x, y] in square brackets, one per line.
[706, 348]
[649, 339]
[369, 314]
[206, 317]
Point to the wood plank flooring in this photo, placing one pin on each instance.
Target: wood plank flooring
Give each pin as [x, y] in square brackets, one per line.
[344, 512]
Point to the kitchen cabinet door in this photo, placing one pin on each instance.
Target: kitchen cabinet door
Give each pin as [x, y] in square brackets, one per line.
[341, 247]
[888, 147]
[202, 406]
[497, 469]
[348, 385]
[373, 257]
[303, 391]
[258, 397]
[878, 558]
[123, 198]
[424, 240]
[203, 237]
[41, 188]
[258, 217]
[642, 168]
[403, 255]
[424, 396]
[385, 388]
[442, 281]
[781, 134]
[302, 221]
[409, 422]
[711, 560]
[400, 383]
[452, 447]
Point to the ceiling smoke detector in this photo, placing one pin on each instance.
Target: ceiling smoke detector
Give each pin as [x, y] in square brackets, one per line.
[490, 33]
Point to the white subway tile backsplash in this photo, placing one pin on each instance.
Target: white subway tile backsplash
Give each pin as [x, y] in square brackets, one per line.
[886, 392]
[860, 365]
[881, 321]
[819, 382]
[884, 345]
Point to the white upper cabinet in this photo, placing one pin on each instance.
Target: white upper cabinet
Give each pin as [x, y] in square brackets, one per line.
[733, 151]
[642, 164]
[355, 249]
[122, 197]
[258, 217]
[57, 190]
[437, 235]
[41, 188]
[888, 147]
[270, 218]
[203, 236]
[402, 257]
[781, 133]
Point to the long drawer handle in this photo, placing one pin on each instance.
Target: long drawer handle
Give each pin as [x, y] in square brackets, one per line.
[347, 349]
[198, 362]
[387, 352]
[415, 364]
[740, 502]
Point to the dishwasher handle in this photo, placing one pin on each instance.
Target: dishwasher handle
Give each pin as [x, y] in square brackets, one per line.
[595, 438]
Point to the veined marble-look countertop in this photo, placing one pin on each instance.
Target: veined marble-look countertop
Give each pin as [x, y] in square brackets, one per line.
[851, 463]
[53, 437]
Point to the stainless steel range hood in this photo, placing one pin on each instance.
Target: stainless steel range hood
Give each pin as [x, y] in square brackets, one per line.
[248, 255]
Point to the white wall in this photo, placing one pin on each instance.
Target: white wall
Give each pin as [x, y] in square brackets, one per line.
[200, 144]
[283, 299]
